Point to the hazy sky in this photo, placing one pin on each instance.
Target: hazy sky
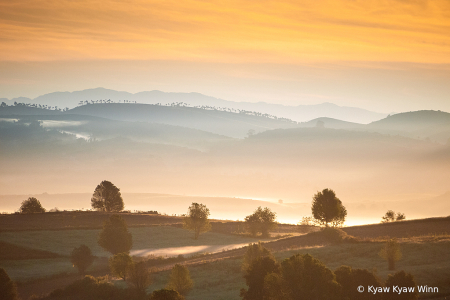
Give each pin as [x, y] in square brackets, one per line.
[383, 55]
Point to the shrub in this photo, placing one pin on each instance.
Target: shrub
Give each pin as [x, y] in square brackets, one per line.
[165, 294]
[180, 280]
[401, 279]
[254, 277]
[254, 251]
[81, 258]
[350, 279]
[140, 276]
[391, 252]
[120, 265]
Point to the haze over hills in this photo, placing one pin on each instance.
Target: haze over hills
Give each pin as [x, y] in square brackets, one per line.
[300, 113]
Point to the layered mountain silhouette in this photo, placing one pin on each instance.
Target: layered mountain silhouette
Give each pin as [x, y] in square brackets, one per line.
[300, 113]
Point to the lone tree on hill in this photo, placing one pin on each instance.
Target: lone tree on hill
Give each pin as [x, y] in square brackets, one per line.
[30, 206]
[107, 197]
[262, 220]
[8, 290]
[115, 237]
[180, 280]
[327, 208]
[197, 219]
[391, 216]
[81, 258]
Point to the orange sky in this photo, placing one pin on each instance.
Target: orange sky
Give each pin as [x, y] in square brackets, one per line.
[226, 31]
[382, 55]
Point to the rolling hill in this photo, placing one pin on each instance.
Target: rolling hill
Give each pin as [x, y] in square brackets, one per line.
[299, 113]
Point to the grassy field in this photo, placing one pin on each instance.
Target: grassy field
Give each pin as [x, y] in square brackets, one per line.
[165, 239]
[427, 259]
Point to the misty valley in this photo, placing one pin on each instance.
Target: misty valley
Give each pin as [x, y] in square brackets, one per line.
[112, 199]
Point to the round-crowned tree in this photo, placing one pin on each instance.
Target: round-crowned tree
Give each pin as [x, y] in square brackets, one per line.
[107, 197]
[350, 279]
[115, 237]
[262, 220]
[30, 206]
[81, 258]
[197, 219]
[327, 208]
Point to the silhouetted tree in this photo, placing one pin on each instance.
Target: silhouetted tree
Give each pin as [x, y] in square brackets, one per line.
[81, 258]
[180, 280]
[8, 290]
[115, 237]
[326, 208]
[391, 252]
[165, 294]
[120, 265]
[254, 252]
[400, 216]
[30, 206]
[350, 279]
[401, 279]
[3, 104]
[197, 219]
[388, 217]
[262, 220]
[254, 277]
[107, 197]
[140, 276]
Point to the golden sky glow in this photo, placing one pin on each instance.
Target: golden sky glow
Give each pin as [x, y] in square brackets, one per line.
[226, 31]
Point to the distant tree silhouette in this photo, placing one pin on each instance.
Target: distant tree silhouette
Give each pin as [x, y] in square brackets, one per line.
[120, 265]
[262, 220]
[350, 279]
[81, 258]
[165, 294]
[115, 237]
[254, 277]
[254, 252]
[326, 208]
[8, 289]
[391, 216]
[3, 104]
[107, 197]
[391, 252]
[401, 279]
[197, 219]
[180, 280]
[30, 206]
[140, 276]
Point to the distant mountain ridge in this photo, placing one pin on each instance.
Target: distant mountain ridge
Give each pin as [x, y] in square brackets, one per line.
[300, 113]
